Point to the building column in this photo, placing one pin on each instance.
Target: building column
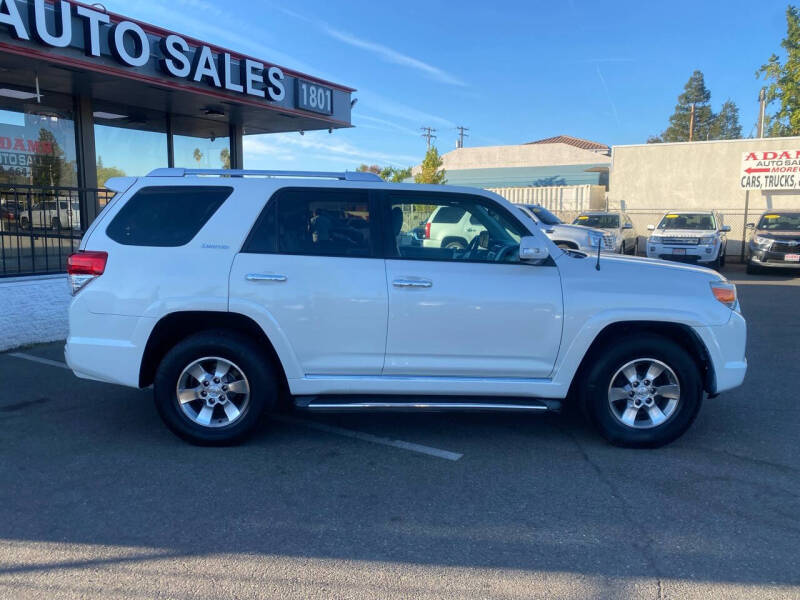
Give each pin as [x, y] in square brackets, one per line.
[87, 159]
[170, 143]
[235, 136]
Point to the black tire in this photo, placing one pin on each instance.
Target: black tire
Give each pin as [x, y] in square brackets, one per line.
[251, 360]
[753, 269]
[55, 224]
[594, 391]
[455, 245]
[622, 250]
[24, 223]
[722, 260]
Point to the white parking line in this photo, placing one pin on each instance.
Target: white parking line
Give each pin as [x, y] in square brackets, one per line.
[368, 437]
[358, 435]
[44, 361]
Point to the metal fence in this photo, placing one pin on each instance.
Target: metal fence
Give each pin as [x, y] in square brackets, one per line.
[41, 226]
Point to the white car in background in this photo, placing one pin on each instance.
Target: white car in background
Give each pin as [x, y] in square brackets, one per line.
[615, 223]
[54, 213]
[696, 237]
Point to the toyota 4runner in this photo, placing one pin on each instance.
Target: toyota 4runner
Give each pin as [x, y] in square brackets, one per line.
[233, 292]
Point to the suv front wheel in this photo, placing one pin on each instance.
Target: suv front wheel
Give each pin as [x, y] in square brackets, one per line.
[212, 388]
[642, 392]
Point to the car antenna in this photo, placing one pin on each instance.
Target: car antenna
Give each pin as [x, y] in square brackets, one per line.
[599, 245]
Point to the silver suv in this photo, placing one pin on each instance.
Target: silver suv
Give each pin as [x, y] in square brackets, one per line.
[696, 237]
[568, 237]
[613, 223]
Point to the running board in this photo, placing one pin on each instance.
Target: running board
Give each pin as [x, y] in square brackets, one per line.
[329, 404]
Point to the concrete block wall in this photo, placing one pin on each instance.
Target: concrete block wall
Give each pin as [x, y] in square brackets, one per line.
[33, 310]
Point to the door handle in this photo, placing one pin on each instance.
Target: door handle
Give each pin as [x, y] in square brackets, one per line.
[264, 277]
[412, 283]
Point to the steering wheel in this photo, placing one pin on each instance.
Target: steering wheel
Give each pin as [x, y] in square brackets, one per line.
[501, 254]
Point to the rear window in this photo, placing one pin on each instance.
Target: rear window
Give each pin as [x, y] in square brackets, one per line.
[448, 214]
[166, 216]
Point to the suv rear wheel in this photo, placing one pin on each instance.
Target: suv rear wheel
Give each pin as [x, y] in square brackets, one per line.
[213, 387]
[642, 392]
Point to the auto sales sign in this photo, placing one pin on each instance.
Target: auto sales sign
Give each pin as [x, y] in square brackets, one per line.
[770, 170]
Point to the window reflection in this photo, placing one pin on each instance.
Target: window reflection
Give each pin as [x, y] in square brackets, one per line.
[123, 151]
[202, 153]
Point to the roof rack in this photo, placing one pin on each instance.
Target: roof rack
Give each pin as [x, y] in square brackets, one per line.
[344, 176]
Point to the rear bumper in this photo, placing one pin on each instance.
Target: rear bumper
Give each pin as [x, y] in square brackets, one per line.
[106, 347]
[726, 349]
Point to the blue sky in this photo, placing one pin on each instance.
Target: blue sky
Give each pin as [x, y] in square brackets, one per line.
[510, 71]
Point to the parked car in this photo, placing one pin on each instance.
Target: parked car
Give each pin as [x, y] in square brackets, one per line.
[227, 294]
[568, 237]
[55, 213]
[697, 237]
[614, 223]
[775, 241]
[8, 218]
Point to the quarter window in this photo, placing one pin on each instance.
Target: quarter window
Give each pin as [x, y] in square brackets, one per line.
[316, 222]
[166, 216]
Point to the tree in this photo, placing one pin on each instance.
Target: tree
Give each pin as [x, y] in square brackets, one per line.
[399, 175]
[198, 156]
[225, 158]
[694, 92]
[431, 168]
[105, 173]
[369, 169]
[47, 165]
[725, 125]
[784, 80]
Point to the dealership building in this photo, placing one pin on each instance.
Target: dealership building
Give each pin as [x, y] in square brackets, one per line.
[86, 94]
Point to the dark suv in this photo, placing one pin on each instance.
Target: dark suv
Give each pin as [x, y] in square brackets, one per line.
[775, 241]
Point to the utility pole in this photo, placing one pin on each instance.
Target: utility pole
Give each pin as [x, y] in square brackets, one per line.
[762, 99]
[461, 135]
[428, 135]
[691, 123]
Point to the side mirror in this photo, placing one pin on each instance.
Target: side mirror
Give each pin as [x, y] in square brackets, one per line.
[531, 249]
[725, 228]
[628, 226]
[651, 228]
[549, 230]
[750, 226]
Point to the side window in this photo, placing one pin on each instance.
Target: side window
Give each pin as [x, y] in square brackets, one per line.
[420, 232]
[166, 216]
[315, 222]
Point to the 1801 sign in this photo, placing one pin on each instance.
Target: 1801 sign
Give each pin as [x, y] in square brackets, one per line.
[313, 97]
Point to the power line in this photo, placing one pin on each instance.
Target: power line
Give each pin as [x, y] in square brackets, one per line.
[428, 135]
[461, 135]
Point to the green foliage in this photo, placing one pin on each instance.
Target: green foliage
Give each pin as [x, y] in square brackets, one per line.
[105, 173]
[784, 80]
[47, 168]
[431, 168]
[390, 174]
[726, 124]
[694, 92]
[707, 124]
[225, 158]
[198, 155]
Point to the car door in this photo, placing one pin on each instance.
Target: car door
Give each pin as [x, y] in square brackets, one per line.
[476, 312]
[310, 265]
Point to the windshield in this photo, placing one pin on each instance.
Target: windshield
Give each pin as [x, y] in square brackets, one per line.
[598, 221]
[699, 221]
[544, 215]
[780, 222]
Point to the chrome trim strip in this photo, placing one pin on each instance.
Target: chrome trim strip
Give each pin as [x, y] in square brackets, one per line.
[422, 406]
[264, 277]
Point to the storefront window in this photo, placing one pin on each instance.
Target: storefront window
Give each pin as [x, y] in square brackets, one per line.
[37, 145]
[202, 153]
[121, 150]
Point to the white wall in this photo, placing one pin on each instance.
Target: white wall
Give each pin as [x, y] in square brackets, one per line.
[561, 198]
[33, 310]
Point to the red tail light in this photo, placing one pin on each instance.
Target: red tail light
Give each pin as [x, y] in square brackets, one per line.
[83, 267]
[428, 230]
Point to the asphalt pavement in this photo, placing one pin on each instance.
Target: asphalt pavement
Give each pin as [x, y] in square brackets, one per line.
[99, 500]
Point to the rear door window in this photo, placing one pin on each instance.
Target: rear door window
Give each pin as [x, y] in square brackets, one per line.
[166, 216]
[315, 222]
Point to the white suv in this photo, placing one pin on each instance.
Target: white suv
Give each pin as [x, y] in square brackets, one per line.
[697, 237]
[227, 293]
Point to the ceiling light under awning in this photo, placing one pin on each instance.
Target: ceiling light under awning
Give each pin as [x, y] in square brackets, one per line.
[17, 94]
[107, 115]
